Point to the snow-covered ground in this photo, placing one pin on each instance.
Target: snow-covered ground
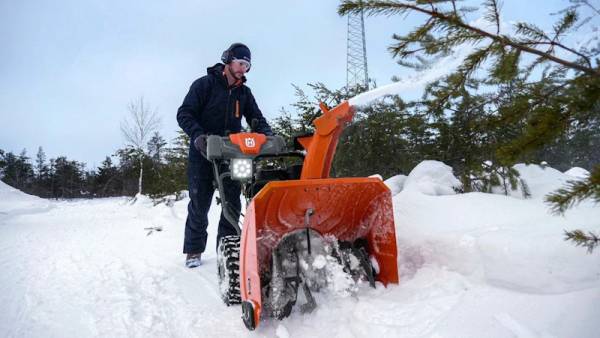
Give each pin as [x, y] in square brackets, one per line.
[471, 265]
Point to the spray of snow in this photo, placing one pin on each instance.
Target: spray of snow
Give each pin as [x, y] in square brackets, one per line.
[440, 68]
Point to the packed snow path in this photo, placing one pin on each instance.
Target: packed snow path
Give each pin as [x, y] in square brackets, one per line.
[471, 265]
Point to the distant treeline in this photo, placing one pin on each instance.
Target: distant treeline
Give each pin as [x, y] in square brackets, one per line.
[164, 172]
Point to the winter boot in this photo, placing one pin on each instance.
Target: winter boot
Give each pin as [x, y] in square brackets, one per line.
[193, 260]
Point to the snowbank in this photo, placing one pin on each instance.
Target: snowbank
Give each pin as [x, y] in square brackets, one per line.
[578, 173]
[432, 178]
[396, 183]
[14, 201]
[498, 240]
[541, 180]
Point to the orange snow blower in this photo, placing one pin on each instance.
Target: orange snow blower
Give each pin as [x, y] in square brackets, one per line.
[298, 220]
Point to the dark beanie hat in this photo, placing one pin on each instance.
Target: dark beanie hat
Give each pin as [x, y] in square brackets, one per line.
[241, 52]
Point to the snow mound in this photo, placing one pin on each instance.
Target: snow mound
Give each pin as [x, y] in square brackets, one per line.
[432, 178]
[541, 180]
[578, 173]
[512, 244]
[13, 200]
[396, 183]
[142, 200]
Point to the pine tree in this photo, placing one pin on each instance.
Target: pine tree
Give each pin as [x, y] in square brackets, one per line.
[16, 171]
[41, 186]
[553, 101]
[108, 180]
[156, 147]
[2, 163]
[68, 178]
[25, 174]
[543, 105]
[174, 178]
[40, 163]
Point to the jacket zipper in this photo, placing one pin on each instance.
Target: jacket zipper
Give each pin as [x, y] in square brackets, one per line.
[227, 111]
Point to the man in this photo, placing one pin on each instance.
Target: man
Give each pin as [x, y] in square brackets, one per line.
[215, 105]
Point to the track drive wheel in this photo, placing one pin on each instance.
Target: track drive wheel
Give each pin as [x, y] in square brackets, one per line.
[228, 266]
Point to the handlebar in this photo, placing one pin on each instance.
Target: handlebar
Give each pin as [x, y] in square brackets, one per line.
[223, 147]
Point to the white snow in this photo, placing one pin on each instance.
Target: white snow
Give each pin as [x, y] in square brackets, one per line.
[432, 178]
[471, 265]
[541, 180]
[578, 173]
[396, 183]
[12, 201]
[442, 67]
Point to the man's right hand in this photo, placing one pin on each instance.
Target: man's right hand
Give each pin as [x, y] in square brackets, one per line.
[200, 143]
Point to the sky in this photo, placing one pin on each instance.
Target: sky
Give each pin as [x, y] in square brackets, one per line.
[69, 69]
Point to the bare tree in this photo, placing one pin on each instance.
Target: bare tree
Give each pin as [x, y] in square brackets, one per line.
[137, 128]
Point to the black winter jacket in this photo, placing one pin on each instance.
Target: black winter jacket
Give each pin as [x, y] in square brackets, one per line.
[212, 107]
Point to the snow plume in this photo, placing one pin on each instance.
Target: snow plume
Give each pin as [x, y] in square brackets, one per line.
[441, 68]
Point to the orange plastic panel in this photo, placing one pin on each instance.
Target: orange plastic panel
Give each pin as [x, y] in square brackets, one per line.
[249, 277]
[346, 208]
[305, 141]
[321, 149]
[249, 143]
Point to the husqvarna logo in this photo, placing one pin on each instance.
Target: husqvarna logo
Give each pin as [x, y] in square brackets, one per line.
[250, 143]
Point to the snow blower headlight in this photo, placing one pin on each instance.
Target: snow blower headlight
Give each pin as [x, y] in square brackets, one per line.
[241, 169]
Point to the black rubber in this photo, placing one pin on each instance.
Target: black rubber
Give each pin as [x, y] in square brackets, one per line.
[228, 266]
[248, 315]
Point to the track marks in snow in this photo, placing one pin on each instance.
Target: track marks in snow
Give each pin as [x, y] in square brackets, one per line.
[518, 329]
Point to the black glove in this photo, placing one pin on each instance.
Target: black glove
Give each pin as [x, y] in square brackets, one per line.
[200, 143]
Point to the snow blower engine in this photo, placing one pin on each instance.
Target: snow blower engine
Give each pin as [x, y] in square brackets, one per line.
[298, 220]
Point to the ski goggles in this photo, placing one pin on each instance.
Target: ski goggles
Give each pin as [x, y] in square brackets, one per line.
[243, 63]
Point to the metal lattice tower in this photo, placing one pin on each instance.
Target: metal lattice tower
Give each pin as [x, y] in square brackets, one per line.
[356, 57]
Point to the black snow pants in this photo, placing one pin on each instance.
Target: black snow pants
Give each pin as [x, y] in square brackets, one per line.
[201, 189]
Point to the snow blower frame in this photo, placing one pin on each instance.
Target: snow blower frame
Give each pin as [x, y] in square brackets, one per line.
[292, 210]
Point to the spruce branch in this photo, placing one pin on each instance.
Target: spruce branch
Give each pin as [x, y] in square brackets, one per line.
[390, 7]
[580, 238]
[575, 192]
[531, 30]
[565, 23]
[493, 14]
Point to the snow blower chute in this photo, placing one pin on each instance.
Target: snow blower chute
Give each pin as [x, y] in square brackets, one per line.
[296, 215]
